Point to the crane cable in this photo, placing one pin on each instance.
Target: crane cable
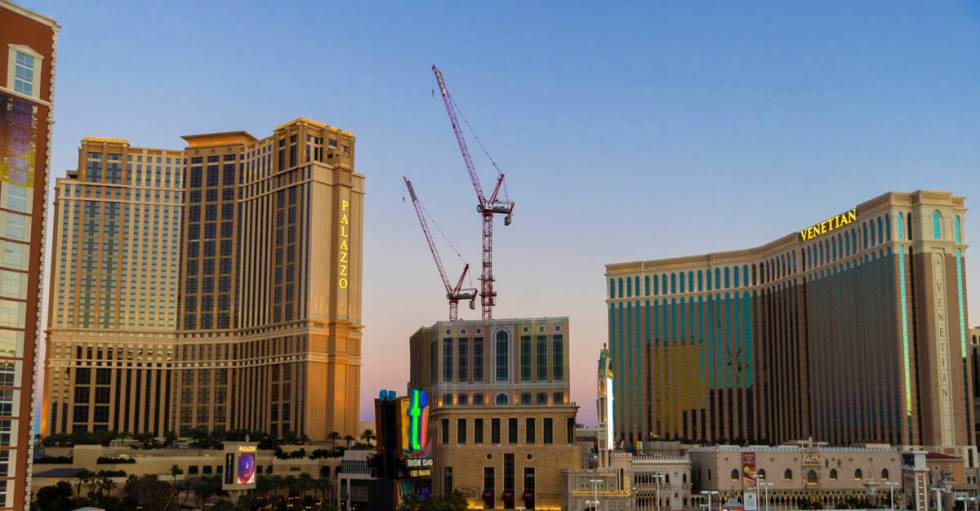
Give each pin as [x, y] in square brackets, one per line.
[480, 143]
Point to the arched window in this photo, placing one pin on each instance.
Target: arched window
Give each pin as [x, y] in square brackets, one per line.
[956, 229]
[899, 226]
[788, 475]
[620, 288]
[636, 285]
[937, 231]
[884, 474]
[612, 288]
[833, 474]
[501, 399]
[646, 285]
[762, 474]
[811, 476]
[734, 474]
[858, 475]
[503, 355]
[629, 287]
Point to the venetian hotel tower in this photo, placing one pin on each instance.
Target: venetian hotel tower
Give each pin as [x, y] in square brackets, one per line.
[216, 287]
[852, 330]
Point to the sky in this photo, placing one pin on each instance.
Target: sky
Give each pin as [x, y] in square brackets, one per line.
[627, 130]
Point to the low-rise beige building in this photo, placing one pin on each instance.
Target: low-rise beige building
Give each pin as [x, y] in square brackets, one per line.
[501, 426]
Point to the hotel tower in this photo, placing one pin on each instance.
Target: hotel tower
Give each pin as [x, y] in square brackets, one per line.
[27, 68]
[216, 287]
[852, 330]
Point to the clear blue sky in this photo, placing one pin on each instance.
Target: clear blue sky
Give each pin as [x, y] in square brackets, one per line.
[628, 130]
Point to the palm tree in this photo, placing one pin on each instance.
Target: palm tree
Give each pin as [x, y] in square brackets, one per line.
[368, 436]
[333, 436]
[348, 439]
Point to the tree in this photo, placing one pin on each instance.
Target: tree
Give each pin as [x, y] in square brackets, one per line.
[333, 436]
[149, 493]
[83, 479]
[55, 498]
[348, 439]
[368, 436]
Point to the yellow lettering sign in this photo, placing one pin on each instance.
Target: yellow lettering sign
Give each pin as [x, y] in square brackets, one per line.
[343, 250]
[830, 224]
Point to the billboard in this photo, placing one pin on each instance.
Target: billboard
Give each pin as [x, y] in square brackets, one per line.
[18, 146]
[241, 465]
[748, 471]
[245, 472]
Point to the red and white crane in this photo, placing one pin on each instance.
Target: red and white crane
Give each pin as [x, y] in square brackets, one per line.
[486, 207]
[453, 293]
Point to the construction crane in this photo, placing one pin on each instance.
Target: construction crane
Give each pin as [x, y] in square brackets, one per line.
[486, 206]
[453, 293]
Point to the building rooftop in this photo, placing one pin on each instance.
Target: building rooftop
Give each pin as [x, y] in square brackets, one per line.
[219, 139]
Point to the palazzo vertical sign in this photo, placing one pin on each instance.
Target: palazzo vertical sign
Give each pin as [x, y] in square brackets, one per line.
[344, 252]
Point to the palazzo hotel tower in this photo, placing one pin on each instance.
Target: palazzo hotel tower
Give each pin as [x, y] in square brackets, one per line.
[216, 287]
[853, 330]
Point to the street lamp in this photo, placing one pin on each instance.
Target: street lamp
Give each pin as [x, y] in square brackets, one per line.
[709, 493]
[939, 491]
[891, 493]
[765, 491]
[595, 492]
[659, 477]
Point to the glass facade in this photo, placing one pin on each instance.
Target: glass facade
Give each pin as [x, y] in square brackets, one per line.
[825, 337]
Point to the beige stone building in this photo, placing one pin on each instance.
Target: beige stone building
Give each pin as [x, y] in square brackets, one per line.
[501, 426]
[216, 287]
[851, 330]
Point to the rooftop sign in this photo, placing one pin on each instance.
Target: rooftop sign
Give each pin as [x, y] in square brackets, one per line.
[830, 224]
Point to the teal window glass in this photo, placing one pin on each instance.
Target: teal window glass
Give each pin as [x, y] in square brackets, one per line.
[881, 237]
[690, 281]
[745, 274]
[888, 227]
[558, 360]
[956, 229]
[503, 355]
[727, 278]
[864, 232]
[620, 288]
[646, 285]
[636, 284]
[682, 282]
[717, 278]
[526, 358]
[656, 286]
[936, 227]
[612, 288]
[663, 284]
[700, 281]
[673, 283]
[542, 357]
[736, 277]
[899, 229]
[629, 287]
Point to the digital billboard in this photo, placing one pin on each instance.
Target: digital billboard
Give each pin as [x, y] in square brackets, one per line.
[246, 468]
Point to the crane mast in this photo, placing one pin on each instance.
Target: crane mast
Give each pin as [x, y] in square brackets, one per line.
[453, 293]
[486, 207]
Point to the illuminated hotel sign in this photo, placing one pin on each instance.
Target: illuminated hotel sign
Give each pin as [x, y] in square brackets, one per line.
[830, 224]
[418, 419]
[344, 244]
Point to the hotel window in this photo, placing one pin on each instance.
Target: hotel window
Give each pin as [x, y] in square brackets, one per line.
[16, 227]
[646, 285]
[24, 70]
[612, 288]
[529, 431]
[549, 430]
[495, 431]
[463, 367]
[447, 479]
[503, 352]
[447, 360]
[937, 230]
[629, 287]
[620, 288]
[700, 281]
[508, 472]
[477, 431]
[529, 480]
[525, 358]
[673, 283]
[558, 361]
[682, 282]
[512, 430]
[460, 431]
[956, 230]
[858, 475]
[445, 430]
[15, 197]
[13, 284]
